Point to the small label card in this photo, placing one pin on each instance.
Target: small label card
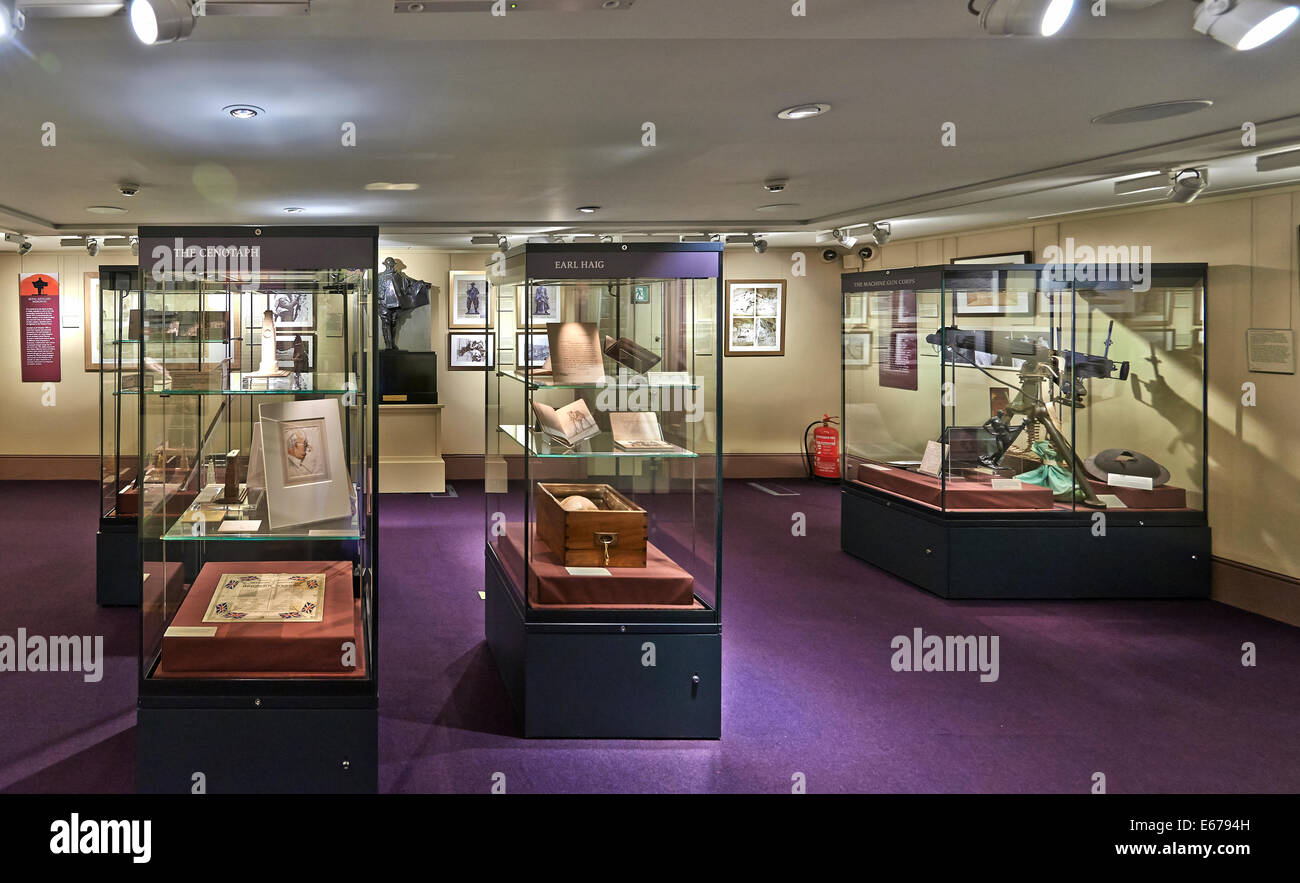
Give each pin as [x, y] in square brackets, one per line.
[588, 571]
[669, 378]
[1007, 484]
[932, 460]
[190, 631]
[1112, 501]
[240, 526]
[1140, 483]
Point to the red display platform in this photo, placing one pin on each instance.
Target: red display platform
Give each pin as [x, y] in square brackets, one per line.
[960, 493]
[660, 584]
[265, 649]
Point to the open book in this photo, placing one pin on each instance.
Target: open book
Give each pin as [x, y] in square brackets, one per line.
[638, 431]
[571, 424]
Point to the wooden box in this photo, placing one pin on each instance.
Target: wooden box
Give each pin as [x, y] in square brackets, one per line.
[578, 539]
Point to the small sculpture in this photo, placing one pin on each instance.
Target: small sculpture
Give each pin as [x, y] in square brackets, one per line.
[399, 294]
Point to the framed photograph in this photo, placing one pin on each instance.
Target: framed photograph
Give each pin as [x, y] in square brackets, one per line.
[94, 321]
[857, 348]
[756, 317]
[290, 349]
[1014, 257]
[470, 351]
[533, 349]
[305, 451]
[469, 301]
[855, 309]
[540, 305]
[293, 308]
[994, 303]
[999, 399]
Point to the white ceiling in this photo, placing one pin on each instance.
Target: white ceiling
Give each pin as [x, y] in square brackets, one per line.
[510, 124]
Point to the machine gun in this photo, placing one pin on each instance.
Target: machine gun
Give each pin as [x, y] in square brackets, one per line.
[1040, 363]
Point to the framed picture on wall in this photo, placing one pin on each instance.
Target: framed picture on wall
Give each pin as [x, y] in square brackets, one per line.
[1013, 257]
[296, 352]
[293, 308]
[469, 301]
[857, 348]
[540, 305]
[855, 309]
[94, 321]
[470, 351]
[533, 348]
[756, 317]
[994, 303]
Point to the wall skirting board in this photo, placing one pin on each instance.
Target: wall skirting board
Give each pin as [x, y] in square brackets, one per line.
[52, 467]
[1270, 594]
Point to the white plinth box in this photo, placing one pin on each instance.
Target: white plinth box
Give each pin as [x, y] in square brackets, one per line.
[410, 450]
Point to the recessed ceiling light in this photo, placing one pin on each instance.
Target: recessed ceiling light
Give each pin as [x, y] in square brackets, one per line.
[243, 111]
[803, 111]
[1146, 113]
[776, 206]
[105, 210]
[384, 185]
[294, 210]
[588, 209]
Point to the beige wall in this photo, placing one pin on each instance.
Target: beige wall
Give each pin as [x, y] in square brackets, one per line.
[1250, 243]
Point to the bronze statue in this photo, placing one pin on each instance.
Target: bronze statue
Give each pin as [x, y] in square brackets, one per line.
[399, 294]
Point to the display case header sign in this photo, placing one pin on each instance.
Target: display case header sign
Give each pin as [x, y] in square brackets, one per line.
[622, 265]
[38, 321]
[894, 280]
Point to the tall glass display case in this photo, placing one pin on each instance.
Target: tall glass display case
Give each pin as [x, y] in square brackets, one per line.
[258, 631]
[1028, 431]
[604, 507]
[117, 547]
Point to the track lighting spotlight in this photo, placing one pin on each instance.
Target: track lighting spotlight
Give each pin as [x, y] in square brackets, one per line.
[92, 246]
[880, 233]
[161, 21]
[843, 238]
[1038, 18]
[760, 245]
[1244, 24]
[135, 246]
[1187, 184]
[503, 243]
[24, 244]
[606, 238]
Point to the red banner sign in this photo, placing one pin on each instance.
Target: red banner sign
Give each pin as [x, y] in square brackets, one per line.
[38, 320]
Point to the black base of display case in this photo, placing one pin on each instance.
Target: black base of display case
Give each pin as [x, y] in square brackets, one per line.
[258, 750]
[1147, 554]
[117, 564]
[590, 682]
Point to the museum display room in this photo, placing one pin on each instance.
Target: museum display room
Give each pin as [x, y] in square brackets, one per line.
[973, 395]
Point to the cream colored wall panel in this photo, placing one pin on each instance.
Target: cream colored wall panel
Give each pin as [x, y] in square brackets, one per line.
[1272, 254]
[929, 252]
[902, 254]
[971, 245]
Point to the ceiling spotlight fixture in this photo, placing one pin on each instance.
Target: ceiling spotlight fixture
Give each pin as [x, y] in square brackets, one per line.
[775, 185]
[1188, 184]
[503, 243]
[161, 21]
[588, 209]
[135, 245]
[384, 185]
[879, 233]
[24, 244]
[606, 238]
[243, 111]
[803, 111]
[1244, 24]
[760, 245]
[11, 18]
[1037, 18]
[294, 210]
[92, 246]
[843, 238]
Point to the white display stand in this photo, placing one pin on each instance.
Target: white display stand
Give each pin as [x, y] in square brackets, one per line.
[410, 450]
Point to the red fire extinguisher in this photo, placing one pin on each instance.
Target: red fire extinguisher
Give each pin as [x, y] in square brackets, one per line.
[823, 455]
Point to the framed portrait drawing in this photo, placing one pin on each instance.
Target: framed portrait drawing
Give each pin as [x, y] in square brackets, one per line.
[857, 348]
[470, 351]
[469, 301]
[302, 463]
[293, 308]
[533, 348]
[755, 317]
[291, 349]
[540, 305]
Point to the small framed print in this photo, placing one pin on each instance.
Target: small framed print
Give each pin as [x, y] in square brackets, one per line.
[855, 310]
[469, 351]
[296, 352]
[469, 301]
[756, 317]
[305, 451]
[857, 348]
[541, 305]
[994, 303]
[532, 349]
[293, 308]
[999, 400]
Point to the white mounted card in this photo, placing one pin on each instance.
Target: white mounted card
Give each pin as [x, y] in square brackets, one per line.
[588, 571]
[1112, 501]
[1007, 484]
[1140, 483]
[240, 526]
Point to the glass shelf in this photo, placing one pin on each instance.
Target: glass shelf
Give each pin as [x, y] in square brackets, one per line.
[541, 445]
[183, 531]
[321, 384]
[637, 381]
[175, 341]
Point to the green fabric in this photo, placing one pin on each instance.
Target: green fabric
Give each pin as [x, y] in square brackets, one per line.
[1049, 475]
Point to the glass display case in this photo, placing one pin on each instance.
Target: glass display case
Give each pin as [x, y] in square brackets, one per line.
[117, 547]
[1019, 431]
[604, 508]
[258, 639]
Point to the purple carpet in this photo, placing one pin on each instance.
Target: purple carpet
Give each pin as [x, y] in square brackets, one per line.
[1152, 694]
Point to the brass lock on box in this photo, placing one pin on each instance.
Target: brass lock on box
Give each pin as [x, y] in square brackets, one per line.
[606, 540]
